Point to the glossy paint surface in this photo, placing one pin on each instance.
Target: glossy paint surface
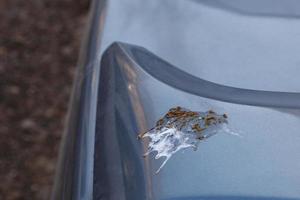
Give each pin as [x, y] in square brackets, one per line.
[250, 44]
[248, 53]
[74, 176]
[263, 163]
[235, 57]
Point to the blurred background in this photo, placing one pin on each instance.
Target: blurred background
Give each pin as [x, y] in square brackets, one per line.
[39, 45]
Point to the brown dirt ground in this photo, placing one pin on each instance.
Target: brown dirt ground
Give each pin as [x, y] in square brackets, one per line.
[39, 43]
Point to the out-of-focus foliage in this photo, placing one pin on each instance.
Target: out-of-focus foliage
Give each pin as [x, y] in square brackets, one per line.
[39, 43]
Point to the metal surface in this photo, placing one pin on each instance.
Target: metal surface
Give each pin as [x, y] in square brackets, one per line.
[74, 177]
[225, 55]
[263, 163]
[240, 43]
[251, 45]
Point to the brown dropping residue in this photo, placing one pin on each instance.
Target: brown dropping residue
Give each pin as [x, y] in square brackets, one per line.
[181, 128]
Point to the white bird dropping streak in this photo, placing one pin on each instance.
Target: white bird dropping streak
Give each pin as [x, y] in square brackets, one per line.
[181, 128]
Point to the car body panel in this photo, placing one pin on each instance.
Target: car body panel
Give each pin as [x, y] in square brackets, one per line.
[235, 57]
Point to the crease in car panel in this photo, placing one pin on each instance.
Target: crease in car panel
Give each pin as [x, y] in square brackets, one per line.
[170, 75]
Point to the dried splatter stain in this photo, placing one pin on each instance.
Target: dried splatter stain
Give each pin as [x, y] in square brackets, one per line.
[181, 128]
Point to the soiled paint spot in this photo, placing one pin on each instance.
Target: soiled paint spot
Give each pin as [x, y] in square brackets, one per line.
[181, 128]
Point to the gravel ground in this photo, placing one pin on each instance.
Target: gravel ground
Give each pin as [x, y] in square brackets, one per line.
[39, 45]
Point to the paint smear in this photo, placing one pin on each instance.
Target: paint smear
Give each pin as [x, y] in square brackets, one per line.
[181, 128]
